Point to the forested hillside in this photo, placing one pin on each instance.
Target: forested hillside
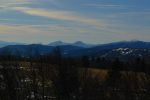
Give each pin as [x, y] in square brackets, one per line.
[55, 78]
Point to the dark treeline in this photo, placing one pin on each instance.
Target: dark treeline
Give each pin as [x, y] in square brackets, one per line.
[87, 78]
[137, 64]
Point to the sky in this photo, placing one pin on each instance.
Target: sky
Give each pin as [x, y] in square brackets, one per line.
[91, 21]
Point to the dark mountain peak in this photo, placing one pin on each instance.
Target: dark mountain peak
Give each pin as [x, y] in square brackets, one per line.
[82, 44]
[57, 43]
[79, 42]
[36, 45]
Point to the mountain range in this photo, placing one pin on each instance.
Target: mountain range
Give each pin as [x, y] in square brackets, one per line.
[56, 43]
[123, 49]
[4, 43]
[78, 43]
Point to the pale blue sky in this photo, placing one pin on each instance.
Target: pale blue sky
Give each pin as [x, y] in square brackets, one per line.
[92, 21]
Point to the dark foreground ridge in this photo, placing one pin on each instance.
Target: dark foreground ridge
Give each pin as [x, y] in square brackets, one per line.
[54, 77]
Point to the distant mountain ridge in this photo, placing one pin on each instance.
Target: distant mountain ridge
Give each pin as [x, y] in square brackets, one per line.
[123, 49]
[57, 43]
[34, 49]
[77, 43]
[3, 43]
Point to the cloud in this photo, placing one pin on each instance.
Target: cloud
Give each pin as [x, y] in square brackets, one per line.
[25, 32]
[12, 3]
[60, 15]
[9, 29]
[35, 29]
[103, 5]
[33, 33]
[3, 19]
[131, 13]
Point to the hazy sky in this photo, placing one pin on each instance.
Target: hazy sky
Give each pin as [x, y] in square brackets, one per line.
[93, 21]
